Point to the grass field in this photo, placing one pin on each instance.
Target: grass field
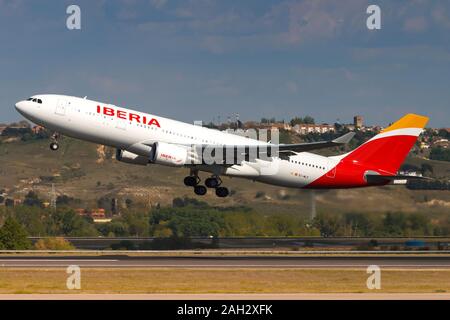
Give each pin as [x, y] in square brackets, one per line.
[166, 280]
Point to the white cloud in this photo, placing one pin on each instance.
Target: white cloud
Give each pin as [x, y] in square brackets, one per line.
[312, 20]
[441, 16]
[158, 4]
[292, 87]
[214, 44]
[415, 24]
[113, 85]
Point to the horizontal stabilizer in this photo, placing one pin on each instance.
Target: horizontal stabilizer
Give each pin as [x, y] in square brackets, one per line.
[377, 178]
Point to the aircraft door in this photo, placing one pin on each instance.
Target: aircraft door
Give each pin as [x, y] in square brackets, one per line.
[61, 107]
[331, 173]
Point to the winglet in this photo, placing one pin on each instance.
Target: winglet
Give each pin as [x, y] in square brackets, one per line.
[344, 139]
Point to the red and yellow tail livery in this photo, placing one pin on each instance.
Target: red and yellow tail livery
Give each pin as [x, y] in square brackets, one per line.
[380, 156]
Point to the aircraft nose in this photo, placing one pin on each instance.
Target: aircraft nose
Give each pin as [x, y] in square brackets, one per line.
[20, 106]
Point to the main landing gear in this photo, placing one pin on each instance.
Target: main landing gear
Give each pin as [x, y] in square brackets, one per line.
[213, 182]
[54, 144]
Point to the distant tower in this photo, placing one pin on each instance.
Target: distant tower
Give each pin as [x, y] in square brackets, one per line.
[358, 121]
[53, 198]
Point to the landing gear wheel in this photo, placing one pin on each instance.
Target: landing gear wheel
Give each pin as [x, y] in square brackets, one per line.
[191, 181]
[212, 182]
[222, 192]
[54, 146]
[200, 190]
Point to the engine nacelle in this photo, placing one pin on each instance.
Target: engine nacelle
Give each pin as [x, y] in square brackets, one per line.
[132, 158]
[168, 154]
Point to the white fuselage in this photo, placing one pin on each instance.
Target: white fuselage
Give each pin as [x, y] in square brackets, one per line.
[135, 131]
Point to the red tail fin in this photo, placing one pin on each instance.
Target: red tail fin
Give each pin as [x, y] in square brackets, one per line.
[387, 150]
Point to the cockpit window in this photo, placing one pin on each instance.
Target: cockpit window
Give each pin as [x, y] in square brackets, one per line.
[35, 100]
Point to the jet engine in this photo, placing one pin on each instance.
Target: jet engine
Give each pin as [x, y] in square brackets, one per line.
[168, 154]
[132, 158]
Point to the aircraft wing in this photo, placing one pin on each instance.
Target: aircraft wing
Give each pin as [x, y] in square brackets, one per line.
[302, 147]
[241, 153]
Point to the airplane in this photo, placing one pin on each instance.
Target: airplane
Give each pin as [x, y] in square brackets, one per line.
[142, 139]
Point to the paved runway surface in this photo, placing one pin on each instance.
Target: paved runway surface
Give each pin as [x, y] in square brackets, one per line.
[420, 262]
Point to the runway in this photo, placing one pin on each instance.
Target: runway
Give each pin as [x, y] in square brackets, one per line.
[232, 296]
[329, 262]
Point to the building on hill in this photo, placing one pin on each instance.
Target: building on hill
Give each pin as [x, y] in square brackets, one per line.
[358, 121]
[37, 129]
[443, 143]
[350, 127]
[313, 128]
[251, 125]
[372, 129]
[98, 215]
[278, 126]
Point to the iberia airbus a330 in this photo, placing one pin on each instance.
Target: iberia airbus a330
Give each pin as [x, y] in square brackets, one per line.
[141, 138]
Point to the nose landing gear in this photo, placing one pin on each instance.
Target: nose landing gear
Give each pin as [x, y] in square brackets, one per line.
[54, 144]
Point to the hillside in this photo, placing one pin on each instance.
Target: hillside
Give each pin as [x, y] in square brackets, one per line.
[88, 172]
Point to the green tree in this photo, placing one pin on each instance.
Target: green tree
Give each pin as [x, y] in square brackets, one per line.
[32, 199]
[138, 223]
[66, 222]
[32, 219]
[300, 120]
[13, 236]
[296, 120]
[444, 133]
[309, 120]
[425, 167]
[394, 223]
[360, 224]
[328, 225]
[53, 243]
[440, 153]
[115, 228]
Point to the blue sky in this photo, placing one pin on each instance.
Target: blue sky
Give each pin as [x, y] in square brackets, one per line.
[201, 59]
